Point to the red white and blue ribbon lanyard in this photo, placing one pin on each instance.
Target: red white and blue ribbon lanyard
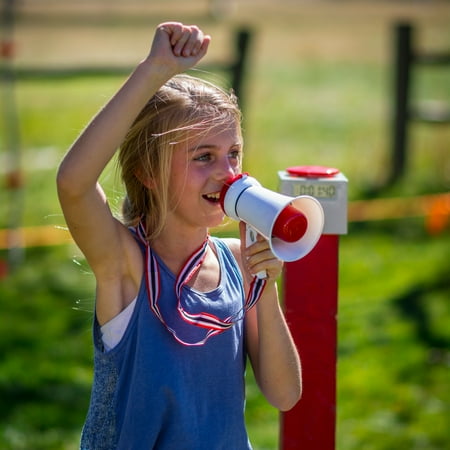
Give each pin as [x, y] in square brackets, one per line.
[210, 322]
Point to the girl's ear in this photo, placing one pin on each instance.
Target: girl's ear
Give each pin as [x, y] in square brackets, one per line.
[148, 182]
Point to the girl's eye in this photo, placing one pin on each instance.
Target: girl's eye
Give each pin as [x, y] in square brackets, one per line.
[236, 154]
[203, 157]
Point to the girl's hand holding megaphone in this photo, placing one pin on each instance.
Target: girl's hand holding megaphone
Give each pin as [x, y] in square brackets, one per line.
[258, 257]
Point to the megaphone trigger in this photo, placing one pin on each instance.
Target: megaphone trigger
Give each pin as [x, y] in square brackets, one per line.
[250, 238]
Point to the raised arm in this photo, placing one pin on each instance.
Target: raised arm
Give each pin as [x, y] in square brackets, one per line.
[175, 49]
[101, 238]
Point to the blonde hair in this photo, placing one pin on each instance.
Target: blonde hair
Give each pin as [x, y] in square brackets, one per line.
[182, 105]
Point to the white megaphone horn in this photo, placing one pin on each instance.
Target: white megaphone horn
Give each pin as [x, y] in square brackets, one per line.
[292, 225]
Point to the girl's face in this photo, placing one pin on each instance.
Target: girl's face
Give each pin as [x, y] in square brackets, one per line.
[200, 166]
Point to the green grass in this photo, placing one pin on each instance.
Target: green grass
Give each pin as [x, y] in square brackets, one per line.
[45, 374]
[393, 346]
[394, 326]
[393, 341]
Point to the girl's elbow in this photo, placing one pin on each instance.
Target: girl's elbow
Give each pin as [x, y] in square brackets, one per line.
[285, 398]
[69, 183]
[290, 400]
[292, 391]
[287, 406]
[64, 181]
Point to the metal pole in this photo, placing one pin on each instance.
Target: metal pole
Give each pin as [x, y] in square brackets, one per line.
[310, 292]
[401, 91]
[243, 39]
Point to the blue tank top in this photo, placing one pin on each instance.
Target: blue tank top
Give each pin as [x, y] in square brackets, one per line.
[151, 392]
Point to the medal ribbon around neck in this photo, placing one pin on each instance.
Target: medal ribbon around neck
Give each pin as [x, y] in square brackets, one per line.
[213, 324]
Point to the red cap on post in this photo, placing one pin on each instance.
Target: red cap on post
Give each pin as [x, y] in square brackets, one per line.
[312, 171]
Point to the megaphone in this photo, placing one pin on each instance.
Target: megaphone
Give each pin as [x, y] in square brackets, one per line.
[292, 225]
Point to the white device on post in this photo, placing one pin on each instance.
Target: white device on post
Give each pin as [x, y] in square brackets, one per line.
[292, 225]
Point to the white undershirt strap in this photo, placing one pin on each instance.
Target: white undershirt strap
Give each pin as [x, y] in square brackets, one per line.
[113, 331]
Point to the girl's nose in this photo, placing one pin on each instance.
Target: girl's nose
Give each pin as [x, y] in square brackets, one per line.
[226, 170]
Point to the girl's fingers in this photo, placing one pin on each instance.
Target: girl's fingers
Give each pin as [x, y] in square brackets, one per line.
[178, 46]
[180, 42]
[193, 42]
[204, 47]
[270, 265]
[259, 257]
[186, 40]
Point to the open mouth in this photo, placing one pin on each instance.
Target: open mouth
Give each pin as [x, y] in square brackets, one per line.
[213, 197]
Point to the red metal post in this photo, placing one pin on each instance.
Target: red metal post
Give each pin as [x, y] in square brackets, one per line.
[310, 289]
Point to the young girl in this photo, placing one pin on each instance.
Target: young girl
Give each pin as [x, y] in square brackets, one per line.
[174, 320]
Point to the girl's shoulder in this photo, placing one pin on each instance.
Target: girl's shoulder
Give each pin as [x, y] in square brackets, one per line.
[233, 244]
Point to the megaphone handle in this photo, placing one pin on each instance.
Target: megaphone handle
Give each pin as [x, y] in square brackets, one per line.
[250, 238]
